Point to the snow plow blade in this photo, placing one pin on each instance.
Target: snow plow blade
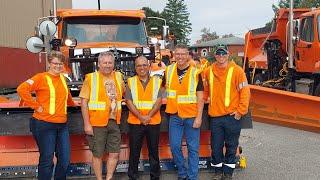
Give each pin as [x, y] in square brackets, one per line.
[285, 108]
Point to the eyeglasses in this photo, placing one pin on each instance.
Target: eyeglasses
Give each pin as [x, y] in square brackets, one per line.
[57, 64]
[141, 65]
[181, 54]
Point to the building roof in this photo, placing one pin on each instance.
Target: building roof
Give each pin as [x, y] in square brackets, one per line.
[225, 41]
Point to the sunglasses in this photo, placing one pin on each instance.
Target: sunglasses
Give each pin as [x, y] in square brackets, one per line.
[221, 53]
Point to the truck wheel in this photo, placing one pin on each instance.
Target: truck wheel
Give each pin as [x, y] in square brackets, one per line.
[258, 79]
[317, 90]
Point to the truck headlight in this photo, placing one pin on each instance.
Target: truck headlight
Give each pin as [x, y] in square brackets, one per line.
[139, 51]
[70, 42]
[86, 52]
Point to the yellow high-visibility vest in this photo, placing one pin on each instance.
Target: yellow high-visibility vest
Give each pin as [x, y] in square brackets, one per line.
[52, 91]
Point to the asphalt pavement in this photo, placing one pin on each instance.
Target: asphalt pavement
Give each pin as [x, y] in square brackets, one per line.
[272, 152]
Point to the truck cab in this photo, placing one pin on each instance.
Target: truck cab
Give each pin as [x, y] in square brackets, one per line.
[308, 42]
[94, 31]
[83, 34]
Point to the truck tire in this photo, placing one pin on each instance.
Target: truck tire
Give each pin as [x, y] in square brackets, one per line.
[258, 79]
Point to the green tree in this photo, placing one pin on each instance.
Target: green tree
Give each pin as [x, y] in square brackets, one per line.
[153, 23]
[296, 4]
[227, 35]
[310, 3]
[177, 16]
[207, 35]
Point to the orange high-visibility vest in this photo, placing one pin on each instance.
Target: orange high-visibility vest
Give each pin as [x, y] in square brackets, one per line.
[144, 99]
[181, 98]
[99, 103]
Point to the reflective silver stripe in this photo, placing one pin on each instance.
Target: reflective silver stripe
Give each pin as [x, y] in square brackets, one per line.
[192, 82]
[170, 74]
[171, 93]
[216, 165]
[187, 99]
[211, 80]
[133, 89]
[231, 165]
[94, 86]
[228, 87]
[119, 80]
[133, 82]
[93, 103]
[52, 98]
[30, 81]
[66, 89]
[242, 85]
[119, 105]
[96, 106]
[156, 86]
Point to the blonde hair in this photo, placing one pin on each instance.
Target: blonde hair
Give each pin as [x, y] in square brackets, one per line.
[56, 54]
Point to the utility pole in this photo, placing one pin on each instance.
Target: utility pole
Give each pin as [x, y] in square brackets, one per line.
[290, 53]
[99, 5]
[165, 27]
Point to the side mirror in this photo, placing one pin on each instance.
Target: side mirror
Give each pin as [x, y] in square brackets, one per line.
[296, 32]
[47, 28]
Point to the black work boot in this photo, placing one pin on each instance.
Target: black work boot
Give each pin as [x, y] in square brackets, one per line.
[217, 176]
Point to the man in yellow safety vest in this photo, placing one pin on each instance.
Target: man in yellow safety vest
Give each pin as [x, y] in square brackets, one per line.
[143, 98]
[101, 96]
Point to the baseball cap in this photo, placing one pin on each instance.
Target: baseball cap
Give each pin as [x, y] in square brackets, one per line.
[221, 50]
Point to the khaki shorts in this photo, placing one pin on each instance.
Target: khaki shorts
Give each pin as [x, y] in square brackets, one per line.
[105, 139]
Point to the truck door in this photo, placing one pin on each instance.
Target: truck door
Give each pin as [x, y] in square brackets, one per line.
[317, 55]
[306, 47]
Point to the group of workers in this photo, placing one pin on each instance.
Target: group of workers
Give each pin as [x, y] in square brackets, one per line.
[223, 84]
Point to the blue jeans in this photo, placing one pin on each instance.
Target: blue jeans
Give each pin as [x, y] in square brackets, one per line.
[51, 138]
[225, 131]
[177, 128]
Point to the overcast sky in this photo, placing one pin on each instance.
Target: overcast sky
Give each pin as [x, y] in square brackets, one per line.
[224, 17]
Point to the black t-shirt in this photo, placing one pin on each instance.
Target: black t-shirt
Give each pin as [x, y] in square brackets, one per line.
[181, 74]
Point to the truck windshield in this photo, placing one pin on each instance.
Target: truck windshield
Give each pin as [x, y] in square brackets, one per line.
[105, 29]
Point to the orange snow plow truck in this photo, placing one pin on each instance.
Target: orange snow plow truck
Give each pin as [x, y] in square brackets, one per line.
[81, 35]
[266, 62]
[266, 53]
